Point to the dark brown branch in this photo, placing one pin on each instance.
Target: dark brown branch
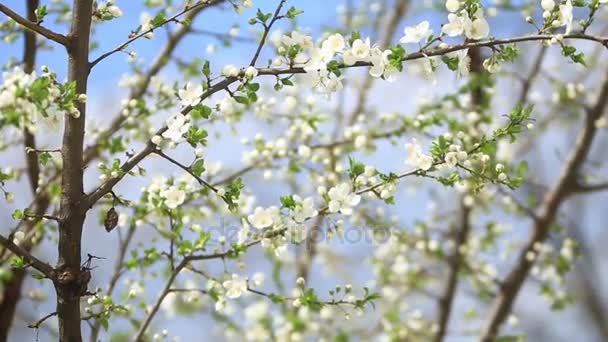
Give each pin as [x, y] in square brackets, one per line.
[455, 261]
[536, 68]
[38, 264]
[546, 215]
[267, 28]
[37, 324]
[31, 25]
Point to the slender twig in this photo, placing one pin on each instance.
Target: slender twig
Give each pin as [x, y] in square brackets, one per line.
[54, 36]
[143, 33]
[37, 324]
[101, 190]
[580, 187]
[455, 261]
[222, 36]
[267, 28]
[38, 264]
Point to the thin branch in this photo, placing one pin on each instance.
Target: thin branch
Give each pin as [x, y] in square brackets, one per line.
[226, 82]
[455, 262]
[267, 28]
[584, 188]
[222, 36]
[38, 264]
[547, 212]
[187, 169]
[122, 46]
[54, 36]
[37, 324]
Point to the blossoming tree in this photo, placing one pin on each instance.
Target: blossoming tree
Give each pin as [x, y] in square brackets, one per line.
[321, 172]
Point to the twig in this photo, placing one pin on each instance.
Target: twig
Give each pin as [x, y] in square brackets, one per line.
[36, 325]
[38, 264]
[143, 33]
[267, 28]
[54, 36]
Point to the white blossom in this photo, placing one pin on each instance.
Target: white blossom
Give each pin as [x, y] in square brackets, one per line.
[455, 25]
[452, 5]
[177, 126]
[334, 43]
[251, 72]
[235, 287]
[304, 209]
[263, 217]
[191, 94]
[415, 34]
[342, 199]
[230, 71]
[173, 196]
[416, 158]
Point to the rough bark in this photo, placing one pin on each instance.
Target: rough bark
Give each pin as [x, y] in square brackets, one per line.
[71, 281]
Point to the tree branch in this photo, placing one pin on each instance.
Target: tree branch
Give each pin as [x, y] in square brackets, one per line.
[455, 263]
[54, 36]
[120, 47]
[104, 188]
[38, 264]
[546, 215]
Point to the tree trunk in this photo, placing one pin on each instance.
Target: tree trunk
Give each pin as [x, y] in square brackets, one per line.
[72, 280]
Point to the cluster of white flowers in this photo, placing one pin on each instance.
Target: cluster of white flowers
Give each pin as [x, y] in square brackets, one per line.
[107, 11]
[304, 209]
[315, 59]
[455, 155]
[265, 150]
[171, 194]
[177, 126]
[342, 199]
[145, 20]
[416, 158]
[30, 98]
[459, 22]
[565, 16]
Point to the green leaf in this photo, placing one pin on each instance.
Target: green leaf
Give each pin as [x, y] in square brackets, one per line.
[355, 168]
[196, 135]
[17, 262]
[18, 214]
[288, 202]
[158, 20]
[293, 12]
[200, 111]
[40, 13]
[207, 69]
[241, 99]
[198, 167]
